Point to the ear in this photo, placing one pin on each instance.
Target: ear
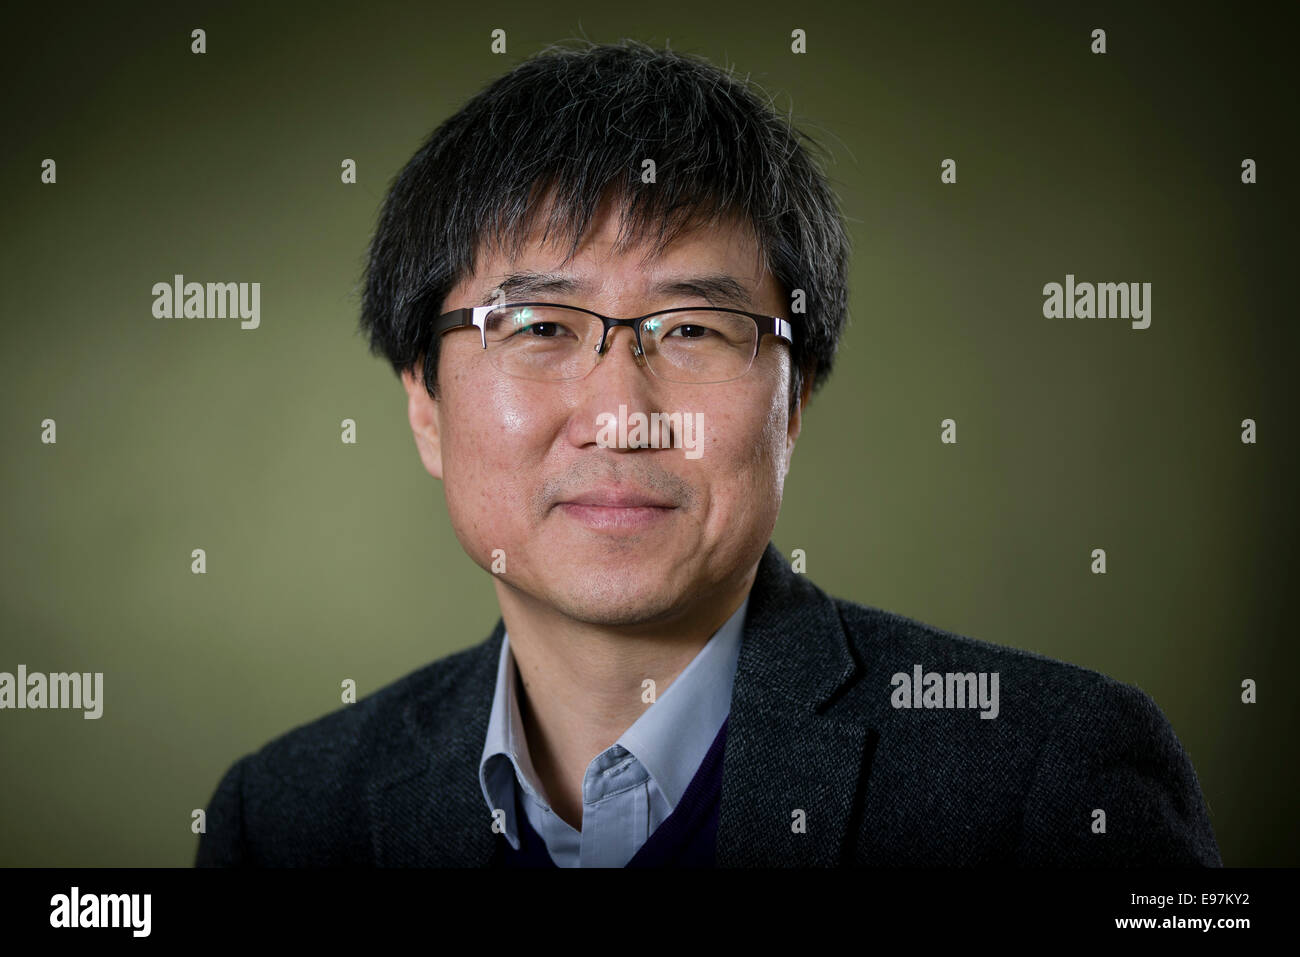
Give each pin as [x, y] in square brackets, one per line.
[796, 420]
[424, 413]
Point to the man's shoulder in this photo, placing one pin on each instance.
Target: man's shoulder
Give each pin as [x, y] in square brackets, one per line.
[1075, 766]
[889, 639]
[883, 643]
[922, 667]
[302, 798]
[365, 729]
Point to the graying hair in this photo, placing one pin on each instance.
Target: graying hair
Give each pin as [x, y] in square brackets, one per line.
[574, 125]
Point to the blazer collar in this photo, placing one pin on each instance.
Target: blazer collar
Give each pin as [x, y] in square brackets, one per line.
[788, 749]
[784, 751]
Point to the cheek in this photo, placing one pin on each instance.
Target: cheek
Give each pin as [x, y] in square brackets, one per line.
[748, 475]
[765, 465]
[488, 420]
[491, 441]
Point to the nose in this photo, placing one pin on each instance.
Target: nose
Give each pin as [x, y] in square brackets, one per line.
[619, 384]
[613, 351]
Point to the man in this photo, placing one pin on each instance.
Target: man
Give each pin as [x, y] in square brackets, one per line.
[620, 232]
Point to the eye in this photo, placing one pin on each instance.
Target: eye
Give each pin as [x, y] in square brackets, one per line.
[547, 329]
[700, 331]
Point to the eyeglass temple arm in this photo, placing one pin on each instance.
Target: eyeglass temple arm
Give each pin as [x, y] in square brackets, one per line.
[468, 316]
[780, 327]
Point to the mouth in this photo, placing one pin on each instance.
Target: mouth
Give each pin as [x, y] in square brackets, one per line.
[617, 507]
[616, 517]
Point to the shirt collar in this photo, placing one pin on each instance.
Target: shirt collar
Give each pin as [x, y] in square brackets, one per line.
[670, 738]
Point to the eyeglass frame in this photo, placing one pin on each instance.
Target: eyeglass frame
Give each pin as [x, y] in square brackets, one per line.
[477, 316]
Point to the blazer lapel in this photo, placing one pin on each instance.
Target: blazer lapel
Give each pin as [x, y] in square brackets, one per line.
[427, 809]
[784, 753]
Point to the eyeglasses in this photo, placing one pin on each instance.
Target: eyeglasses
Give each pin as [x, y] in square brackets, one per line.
[547, 342]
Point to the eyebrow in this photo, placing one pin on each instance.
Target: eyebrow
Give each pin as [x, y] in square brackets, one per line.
[718, 289]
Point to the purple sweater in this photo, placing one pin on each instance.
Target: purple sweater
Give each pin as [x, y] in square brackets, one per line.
[686, 838]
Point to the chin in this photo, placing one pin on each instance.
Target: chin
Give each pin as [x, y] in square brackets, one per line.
[606, 604]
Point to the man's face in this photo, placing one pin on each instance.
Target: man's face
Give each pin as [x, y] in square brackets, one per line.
[512, 452]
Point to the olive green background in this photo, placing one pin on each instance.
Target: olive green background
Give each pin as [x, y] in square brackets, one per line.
[328, 561]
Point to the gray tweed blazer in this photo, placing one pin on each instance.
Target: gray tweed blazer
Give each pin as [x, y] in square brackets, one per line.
[820, 767]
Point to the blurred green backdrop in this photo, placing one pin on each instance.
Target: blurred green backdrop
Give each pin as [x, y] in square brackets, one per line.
[328, 561]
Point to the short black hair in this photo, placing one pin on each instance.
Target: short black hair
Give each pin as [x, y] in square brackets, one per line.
[575, 124]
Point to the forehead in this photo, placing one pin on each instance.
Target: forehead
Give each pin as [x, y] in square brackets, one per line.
[719, 260]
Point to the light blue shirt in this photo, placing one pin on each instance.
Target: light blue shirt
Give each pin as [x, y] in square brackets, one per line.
[632, 786]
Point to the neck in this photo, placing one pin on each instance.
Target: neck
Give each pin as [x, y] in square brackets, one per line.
[581, 684]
